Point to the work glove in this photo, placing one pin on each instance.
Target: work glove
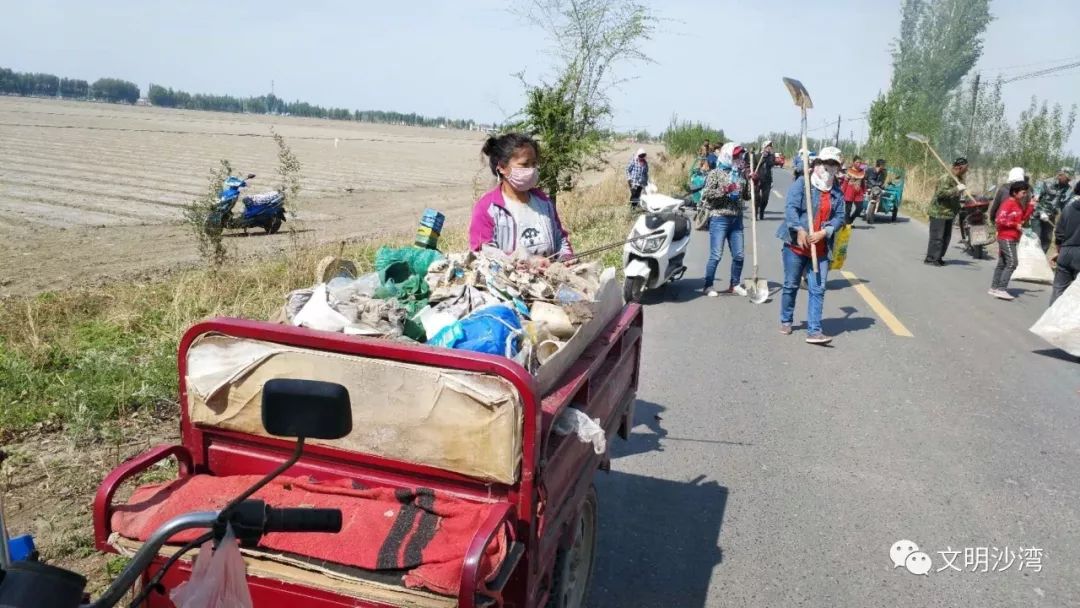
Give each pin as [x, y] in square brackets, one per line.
[1044, 216]
[961, 188]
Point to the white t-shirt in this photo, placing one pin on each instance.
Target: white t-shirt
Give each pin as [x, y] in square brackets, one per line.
[533, 228]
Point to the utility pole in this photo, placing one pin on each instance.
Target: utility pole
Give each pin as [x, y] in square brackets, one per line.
[837, 142]
[974, 106]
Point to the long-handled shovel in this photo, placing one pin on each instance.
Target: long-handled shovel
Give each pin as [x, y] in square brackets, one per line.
[756, 289]
[924, 140]
[801, 97]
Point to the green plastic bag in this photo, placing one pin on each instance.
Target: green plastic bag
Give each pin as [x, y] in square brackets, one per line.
[398, 264]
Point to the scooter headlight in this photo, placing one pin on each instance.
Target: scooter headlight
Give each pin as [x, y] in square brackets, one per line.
[651, 244]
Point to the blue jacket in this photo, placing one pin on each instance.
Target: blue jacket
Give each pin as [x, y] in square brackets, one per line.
[795, 213]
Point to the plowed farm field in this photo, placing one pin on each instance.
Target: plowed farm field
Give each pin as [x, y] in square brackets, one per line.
[92, 192]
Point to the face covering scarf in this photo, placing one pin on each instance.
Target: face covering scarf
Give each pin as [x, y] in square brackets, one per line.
[822, 177]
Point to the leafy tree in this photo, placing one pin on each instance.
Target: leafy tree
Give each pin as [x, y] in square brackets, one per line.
[940, 41]
[114, 90]
[569, 113]
[685, 138]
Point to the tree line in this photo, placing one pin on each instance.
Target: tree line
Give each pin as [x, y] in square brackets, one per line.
[933, 92]
[271, 104]
[48, 85]
[122, 91]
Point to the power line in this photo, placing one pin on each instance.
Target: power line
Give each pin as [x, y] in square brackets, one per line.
[1028, 65]
[1045, 72]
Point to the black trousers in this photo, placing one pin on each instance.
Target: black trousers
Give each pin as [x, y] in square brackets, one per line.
[1045, 230]
[1068, 268]
[940, 235]
[635, 195]
[762, 194]
[854, 210]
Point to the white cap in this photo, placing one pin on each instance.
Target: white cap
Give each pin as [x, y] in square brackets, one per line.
[640, 152]
[830, 153]
[768, 142]
[1016, 174]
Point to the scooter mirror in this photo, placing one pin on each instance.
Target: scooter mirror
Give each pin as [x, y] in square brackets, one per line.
[306, 408]
[250, 176]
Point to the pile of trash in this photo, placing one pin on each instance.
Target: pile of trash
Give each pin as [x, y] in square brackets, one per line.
[483, 302]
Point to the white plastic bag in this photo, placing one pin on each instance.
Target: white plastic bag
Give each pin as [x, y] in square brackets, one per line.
[218, 578]
[588, 430]
[1060, 324]
[1033, 266]
[317, 314]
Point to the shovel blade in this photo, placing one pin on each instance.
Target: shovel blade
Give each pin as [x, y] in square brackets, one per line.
[919, 137]
[757, 290]
[799, 94]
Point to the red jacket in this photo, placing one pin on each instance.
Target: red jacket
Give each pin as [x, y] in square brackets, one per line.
[854, 190]
[1010, 217]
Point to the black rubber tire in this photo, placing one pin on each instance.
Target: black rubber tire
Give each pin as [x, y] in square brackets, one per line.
[978, 252]
[894, 212]
[571, 578]
[274, 225]
[871, 211]
[633, 287]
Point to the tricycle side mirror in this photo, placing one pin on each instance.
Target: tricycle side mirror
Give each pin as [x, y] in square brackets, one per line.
[306, 408]
[250, 176]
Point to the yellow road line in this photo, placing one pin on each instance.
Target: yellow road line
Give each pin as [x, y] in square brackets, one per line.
[884, 313]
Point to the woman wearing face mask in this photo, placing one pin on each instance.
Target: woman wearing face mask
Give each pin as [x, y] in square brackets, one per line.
[516, 216]
[799, 233]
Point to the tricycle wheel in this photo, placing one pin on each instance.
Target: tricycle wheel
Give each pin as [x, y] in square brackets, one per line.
[871, 211]
[894, 212]
[632, 288]
[574, 565]
[978, 252]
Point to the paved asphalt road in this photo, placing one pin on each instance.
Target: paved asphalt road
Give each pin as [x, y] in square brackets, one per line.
[764, 471]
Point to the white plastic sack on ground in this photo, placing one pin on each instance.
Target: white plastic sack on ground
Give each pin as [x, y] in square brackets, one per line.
[588, 430]
[218, 578]
[1060, 324]
[1033, 266]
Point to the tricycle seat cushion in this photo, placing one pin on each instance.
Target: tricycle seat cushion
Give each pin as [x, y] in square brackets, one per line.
[419, 535]
[467, 423]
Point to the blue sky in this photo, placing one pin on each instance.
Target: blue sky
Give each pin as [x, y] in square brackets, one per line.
[719, 62]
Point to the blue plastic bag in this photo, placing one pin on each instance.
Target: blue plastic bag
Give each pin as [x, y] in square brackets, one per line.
[494, 329]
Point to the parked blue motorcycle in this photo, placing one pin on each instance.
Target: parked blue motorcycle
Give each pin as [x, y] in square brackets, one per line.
[266, 210]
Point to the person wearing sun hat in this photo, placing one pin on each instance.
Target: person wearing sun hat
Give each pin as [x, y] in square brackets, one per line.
[637, 175]
[854, 188]
[800, 233]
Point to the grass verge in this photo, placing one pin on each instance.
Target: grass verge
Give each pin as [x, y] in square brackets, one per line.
[75, 359]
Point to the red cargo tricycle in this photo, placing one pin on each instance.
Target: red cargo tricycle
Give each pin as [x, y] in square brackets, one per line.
[454, 487]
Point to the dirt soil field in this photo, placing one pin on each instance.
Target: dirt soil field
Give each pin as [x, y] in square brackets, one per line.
[86, 187]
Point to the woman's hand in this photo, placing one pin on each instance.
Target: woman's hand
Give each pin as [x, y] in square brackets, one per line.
[800, 238]
[817, 236]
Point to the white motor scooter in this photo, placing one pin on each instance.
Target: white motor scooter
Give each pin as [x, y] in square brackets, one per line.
[657, 258]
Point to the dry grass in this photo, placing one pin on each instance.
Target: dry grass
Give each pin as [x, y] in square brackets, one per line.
[74, 359]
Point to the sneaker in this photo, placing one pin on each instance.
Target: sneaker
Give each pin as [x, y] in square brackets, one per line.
[1001, 294]
[739, 290]
[818, 338]
[712, 293]
[785, 328]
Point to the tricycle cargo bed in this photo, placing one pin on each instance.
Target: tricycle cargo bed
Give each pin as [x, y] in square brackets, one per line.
[464, 426]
